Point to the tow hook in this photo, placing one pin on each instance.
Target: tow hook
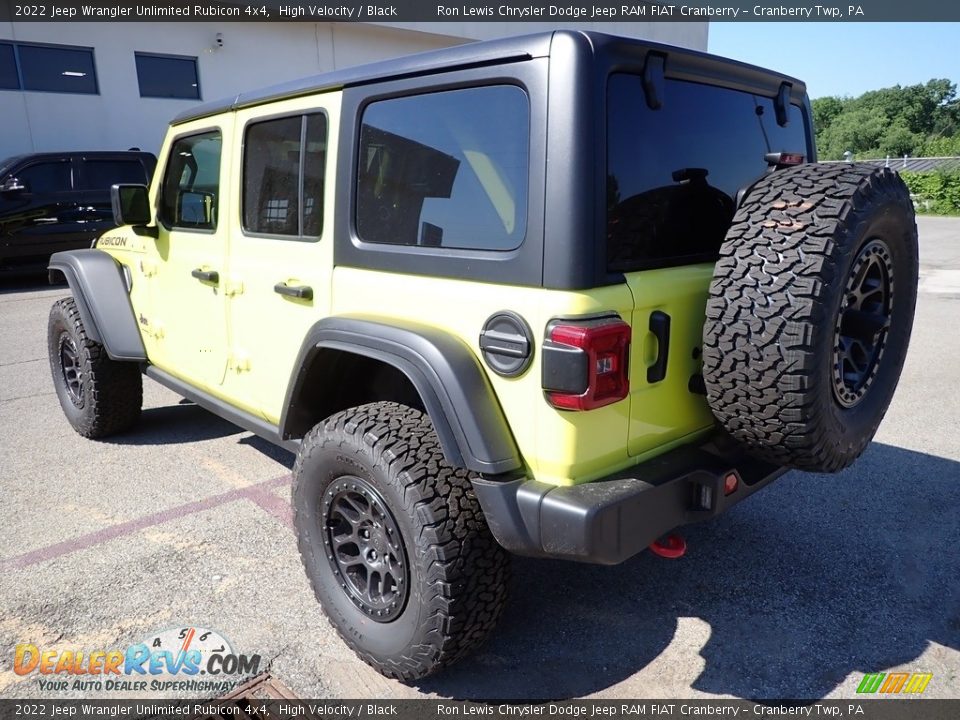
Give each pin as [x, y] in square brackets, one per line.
[669, 546]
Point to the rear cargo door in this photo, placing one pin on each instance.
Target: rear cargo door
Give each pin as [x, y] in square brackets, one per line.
[674, 169]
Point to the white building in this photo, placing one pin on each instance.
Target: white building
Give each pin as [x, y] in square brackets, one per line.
[112, 86]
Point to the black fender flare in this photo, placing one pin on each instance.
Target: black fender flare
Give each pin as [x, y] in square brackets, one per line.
[446, 373]
[100, 291]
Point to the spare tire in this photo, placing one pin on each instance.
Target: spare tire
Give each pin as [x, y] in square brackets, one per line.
[810, 311]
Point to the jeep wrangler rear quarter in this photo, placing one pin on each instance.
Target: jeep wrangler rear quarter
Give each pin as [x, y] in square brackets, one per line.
[555, 295]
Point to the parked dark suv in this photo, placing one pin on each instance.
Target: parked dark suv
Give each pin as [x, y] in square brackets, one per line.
[60, 201]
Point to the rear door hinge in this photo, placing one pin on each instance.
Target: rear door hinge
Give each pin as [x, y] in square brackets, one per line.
[238, 362]
[232, 288]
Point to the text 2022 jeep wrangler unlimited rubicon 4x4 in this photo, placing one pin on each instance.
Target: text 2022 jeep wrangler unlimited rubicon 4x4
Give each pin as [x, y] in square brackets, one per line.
[555, 295]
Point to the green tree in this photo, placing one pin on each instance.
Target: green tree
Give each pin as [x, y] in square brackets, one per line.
[896, 121]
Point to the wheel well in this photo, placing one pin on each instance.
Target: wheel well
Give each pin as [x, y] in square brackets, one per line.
[337, 380]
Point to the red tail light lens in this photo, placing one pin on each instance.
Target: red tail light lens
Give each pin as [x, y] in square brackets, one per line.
[585, 363]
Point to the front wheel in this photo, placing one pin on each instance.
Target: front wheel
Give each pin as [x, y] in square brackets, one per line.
[99, 396]
[394, 541]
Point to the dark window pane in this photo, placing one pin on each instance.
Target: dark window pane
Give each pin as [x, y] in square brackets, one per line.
[314, 165]
[48, 177]
[8, 68]
[58, 69]
[448, 169]
[673, 174]
[191, 183]
[271, 166]
[101, 174]
[168, 77]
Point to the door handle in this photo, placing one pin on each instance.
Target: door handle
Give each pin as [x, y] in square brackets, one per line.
[206, 275]
[660, 327]
[303, 292]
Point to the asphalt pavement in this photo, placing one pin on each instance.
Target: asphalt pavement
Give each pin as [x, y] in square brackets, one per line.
[797, 592]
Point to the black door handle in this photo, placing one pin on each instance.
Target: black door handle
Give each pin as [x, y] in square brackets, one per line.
[206, 275]
[660, 327]
[304, 292]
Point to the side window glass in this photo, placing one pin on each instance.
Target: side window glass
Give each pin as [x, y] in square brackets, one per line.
[283, 173]
[190, 192]
[48, 177]
[101, 174]
[271, 162]
[445, 169]
[314, 164]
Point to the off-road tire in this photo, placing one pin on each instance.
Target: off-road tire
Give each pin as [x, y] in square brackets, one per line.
[108, 395]
[457, 571]
[778, 291]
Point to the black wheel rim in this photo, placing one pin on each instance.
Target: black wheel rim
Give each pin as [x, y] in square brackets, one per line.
[365, 549]
[863, 323]
[70, 369]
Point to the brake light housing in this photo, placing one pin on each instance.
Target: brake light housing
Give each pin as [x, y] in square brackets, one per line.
[586, 362]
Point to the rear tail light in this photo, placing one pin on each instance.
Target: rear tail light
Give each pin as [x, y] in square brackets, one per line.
[585, 363]
[784, 159]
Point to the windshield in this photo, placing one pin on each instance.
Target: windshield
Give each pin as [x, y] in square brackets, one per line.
[7, 163]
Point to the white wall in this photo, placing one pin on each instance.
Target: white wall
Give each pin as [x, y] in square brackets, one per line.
[253, 55]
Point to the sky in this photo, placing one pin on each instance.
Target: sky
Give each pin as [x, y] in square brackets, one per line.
[844, 58]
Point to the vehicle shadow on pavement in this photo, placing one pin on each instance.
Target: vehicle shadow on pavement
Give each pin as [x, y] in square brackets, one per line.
[812, 579]
[175, 425]
[15, 281]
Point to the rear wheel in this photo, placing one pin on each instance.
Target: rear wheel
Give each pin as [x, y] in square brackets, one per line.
[394, 541]
[810, 312]
[99, 396]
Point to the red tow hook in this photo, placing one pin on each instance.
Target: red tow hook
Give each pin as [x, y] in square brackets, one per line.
[670, 546]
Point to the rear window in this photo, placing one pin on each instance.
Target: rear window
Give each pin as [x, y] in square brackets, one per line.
[447, 169]
[102, 174]
[673, 174]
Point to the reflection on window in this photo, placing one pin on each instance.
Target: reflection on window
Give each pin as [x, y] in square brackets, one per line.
[191, 184]
[167, 76]
[446, 169]
[673, 174]
[54, 68]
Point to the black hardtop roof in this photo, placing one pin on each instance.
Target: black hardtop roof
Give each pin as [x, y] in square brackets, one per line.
[75, 153]
[473, 54]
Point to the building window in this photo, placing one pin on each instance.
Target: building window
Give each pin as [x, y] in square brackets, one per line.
[9, 80]
[283, 173]
[445, 169]
[55, 68]
[168, 76]
[47, 68]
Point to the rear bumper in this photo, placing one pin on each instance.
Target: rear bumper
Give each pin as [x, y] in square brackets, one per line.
[609, 520]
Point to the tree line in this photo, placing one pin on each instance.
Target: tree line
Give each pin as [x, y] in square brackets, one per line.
[916, 120]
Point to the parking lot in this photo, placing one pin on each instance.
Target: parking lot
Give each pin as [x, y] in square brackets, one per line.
[796, 593]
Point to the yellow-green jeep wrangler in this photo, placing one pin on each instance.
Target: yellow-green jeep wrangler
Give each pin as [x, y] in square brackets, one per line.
[554, 295]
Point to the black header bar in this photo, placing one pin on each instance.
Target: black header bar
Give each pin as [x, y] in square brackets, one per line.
[561, 11]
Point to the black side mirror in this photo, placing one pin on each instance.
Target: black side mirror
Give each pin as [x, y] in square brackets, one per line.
[12, 185]
[131, 205]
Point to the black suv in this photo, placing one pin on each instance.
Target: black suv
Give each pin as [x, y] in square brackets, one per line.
[61, 201]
